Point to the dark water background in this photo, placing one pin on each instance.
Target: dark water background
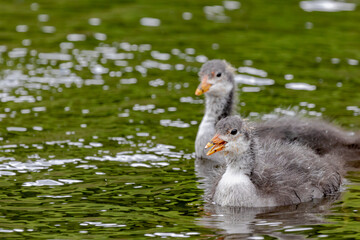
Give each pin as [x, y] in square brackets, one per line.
[98, 114]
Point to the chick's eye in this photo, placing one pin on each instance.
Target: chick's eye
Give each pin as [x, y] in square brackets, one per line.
[233, 132]
[218, 74]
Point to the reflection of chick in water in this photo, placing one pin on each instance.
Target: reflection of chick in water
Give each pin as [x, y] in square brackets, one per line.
[264, 173]
[242, 222]
[219, 87]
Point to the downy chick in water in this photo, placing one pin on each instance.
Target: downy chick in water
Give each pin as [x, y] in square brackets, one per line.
[219, 87]
[268, 172]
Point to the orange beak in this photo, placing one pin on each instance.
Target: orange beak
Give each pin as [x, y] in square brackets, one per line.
[203, 87]
[216, 144]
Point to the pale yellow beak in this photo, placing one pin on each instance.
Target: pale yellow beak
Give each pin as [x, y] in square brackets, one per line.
[216, 144]
[203, 87]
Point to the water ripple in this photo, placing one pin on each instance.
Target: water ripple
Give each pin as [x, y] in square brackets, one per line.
[326, 6]
[250, 80]
[300, 86]
[150, 22]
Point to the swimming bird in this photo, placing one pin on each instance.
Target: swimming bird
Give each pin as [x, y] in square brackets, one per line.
[268, 172]
[220, 90]
[218, 84]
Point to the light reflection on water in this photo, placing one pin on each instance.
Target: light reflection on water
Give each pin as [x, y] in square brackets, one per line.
[300, 86]
[251, 80]
[327, 6]
[150, 22]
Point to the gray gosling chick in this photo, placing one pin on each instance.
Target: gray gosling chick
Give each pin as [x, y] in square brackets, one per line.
[268, 172]
[219, 87]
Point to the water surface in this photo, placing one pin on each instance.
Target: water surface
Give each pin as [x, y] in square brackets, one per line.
[99, 117]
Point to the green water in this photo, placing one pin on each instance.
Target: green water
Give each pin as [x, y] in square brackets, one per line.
[97, 134]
